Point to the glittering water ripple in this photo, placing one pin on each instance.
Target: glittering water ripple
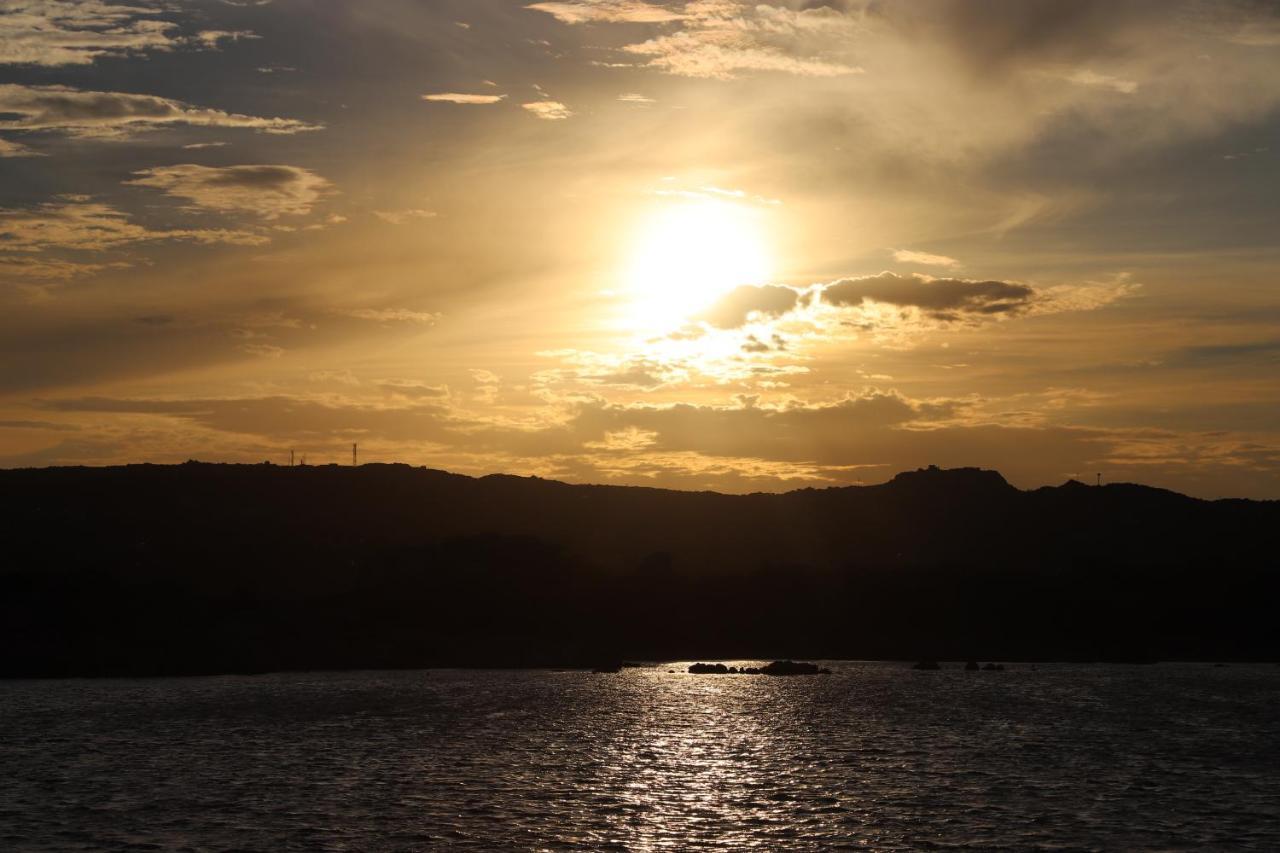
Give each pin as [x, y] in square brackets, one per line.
[874, 756]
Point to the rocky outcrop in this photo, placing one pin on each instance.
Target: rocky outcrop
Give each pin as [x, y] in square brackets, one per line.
[778, 667]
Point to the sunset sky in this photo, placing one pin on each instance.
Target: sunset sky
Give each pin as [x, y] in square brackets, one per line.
[706, 244]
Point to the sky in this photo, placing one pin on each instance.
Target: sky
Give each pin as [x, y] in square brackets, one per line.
[700, 244]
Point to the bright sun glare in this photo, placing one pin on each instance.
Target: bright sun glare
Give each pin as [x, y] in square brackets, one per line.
[686, 256]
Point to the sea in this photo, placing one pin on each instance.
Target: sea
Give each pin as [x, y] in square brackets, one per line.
[875, 756]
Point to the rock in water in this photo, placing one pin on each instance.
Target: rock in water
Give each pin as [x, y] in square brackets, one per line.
[790, 667]
[778, 667]
[709, 669]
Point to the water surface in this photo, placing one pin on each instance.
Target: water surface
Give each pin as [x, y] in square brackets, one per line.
[1175, 756]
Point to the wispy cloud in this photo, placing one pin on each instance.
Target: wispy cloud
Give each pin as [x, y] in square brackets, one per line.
[9, 148]
[41, 268]
[548, 110]
[403, 217]
[212, 39]
[266, 191]
[615, 11]
[76, 32]
[393, 315]
[907, 256]
[722, 40]
[91, 226]
[463, 98]
[85, 113]
[1087, 77]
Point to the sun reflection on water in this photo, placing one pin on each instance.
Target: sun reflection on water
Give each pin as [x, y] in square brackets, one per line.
[708, 759]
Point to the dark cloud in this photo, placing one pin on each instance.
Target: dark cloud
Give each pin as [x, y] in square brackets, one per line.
[942, 299]
[789, 433]
[995, 34]
[1247, 353]
[797, 432]
[736, 307]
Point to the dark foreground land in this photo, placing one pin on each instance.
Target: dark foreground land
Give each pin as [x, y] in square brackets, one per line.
[148, 570]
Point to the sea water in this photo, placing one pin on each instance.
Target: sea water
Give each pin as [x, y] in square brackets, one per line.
[876, 755]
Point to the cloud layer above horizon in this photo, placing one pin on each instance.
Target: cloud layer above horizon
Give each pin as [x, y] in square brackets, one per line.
[692, 243]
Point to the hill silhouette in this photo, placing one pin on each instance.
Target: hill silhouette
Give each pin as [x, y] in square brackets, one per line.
[202, 568]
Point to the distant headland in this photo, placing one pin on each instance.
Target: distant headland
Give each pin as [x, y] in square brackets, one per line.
[202, 568]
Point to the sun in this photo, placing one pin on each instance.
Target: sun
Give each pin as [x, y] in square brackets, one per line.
[687, 255]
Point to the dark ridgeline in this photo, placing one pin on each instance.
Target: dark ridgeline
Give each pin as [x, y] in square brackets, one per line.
[230, 568]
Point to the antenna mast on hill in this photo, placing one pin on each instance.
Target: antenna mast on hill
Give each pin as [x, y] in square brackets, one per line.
[1099, 479]
[354, 464]
[290, 458]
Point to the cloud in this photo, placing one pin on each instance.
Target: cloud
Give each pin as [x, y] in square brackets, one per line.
[46, 269]
[212, 39]
[955, 82]
[793, 431]
[84, 113]
[941, 299]
[1257, 33]
[1086, 77]
[91, 226]
[76, 32]
[739, 305]
[262, 350]
[266, 191]
[742, 445]
[41, 425]
[997, 36]
[937, 301]
[1144, 49]
[281, 417]
[412, 388]
[548, 110]
[461, 98]
[393, 315]
[16, 149]
[906, 256]
[721, 40]
[403, 217]
[612, 11]
[636, 98]
[725, 54]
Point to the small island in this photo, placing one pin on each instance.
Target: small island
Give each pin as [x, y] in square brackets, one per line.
[778, 667]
